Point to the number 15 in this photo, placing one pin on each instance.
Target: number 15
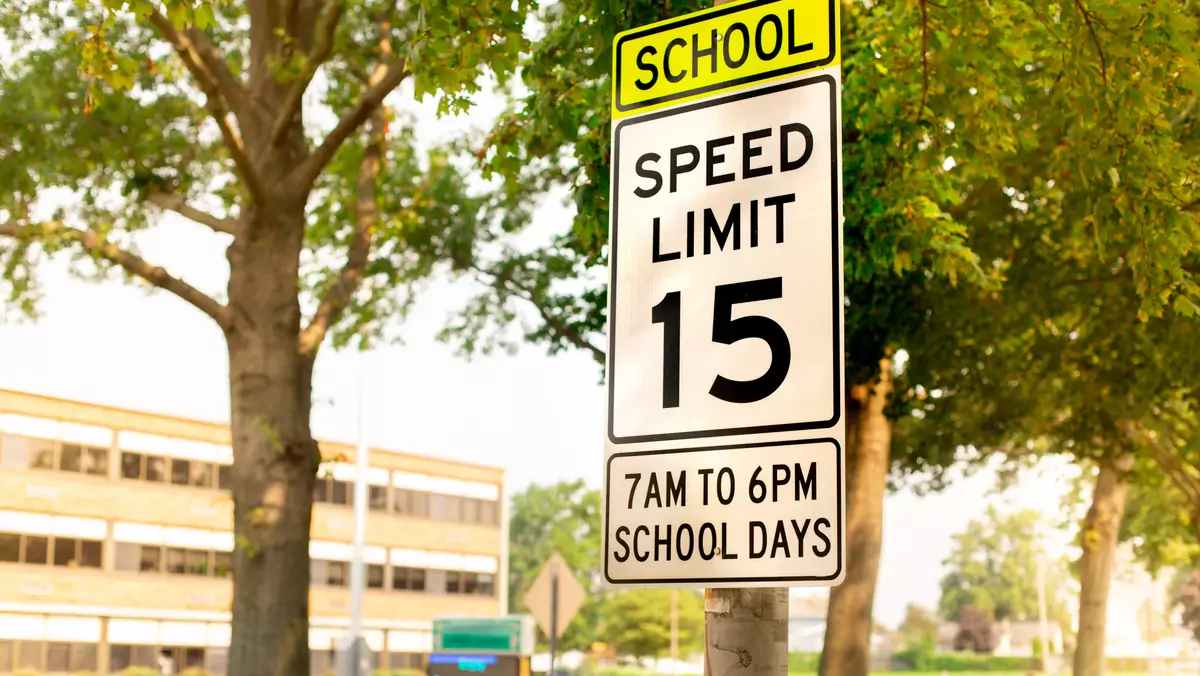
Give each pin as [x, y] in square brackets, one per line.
[728, 331]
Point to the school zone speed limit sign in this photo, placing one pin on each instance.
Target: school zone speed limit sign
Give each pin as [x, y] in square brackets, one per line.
[724, 462]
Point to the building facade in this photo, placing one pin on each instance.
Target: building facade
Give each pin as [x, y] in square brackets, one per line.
[116, 541]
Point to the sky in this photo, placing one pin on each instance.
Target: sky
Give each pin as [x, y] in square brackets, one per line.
[539, 417]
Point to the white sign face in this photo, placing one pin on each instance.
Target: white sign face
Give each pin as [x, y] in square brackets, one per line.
[724, 461]
[765, 514]
[726, 266]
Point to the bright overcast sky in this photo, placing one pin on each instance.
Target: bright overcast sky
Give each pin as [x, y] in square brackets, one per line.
[539, 417]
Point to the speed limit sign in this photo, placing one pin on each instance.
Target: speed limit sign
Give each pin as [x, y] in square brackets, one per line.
[724, 430]
[726, 267]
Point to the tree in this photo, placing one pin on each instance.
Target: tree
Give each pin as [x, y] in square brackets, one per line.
[976, 631]
[1187, 599]
[638, 622]
[133, 109]
[953, 107]
[1084, 343]
[918, 625]
[563, 518]
[989, 569]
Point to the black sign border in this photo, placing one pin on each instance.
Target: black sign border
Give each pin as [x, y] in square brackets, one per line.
[717, 86]
[835, 219]
[707, 580]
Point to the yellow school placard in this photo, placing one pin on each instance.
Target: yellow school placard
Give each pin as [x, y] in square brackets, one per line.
[721, 49]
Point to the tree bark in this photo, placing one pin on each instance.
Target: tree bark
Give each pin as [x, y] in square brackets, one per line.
[847, 649]
[745, 632]
[1100, 530]
[275, 456]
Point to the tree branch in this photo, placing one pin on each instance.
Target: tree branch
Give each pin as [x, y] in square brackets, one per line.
[924, 59]
[135, 265]
[228, 84]
[555, 323]
[180, 206]
[209, 84]
[320, 51]
[1087, 19]
[308, 171]
[366, 212]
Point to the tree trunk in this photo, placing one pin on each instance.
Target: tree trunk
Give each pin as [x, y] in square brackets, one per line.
[1100, 529]
[275, 456]
[745, 632]
[847, 649]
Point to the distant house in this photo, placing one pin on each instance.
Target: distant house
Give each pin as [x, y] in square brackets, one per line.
[806, 623]
[806, 626]
[1013, 638]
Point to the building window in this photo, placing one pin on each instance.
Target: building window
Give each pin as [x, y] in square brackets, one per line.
[377, 497]
[29, 655]
[151, 560]
[437, 507]
[414, 661]
[488, 512]
[470, 510]
[435, 581]
[121, 657]
[197, 562]
[182, 659]
[83, 459]
[332, 491]
[375, 575]
[70, 657]
[156, 469]
[454, 582]
[339, 493]
[478, 584]
[71, 458]
[41, 454]
[193, 658]
[180, 471]
[37, 549]
[201, 475]
[331, 573]
[176, 561]
[16, 548]
[91, 553]
[10, 550]
[320, 662]
[75, 553]
[409, 579]
[6, 656]
[131, 465]
[218, 661]
[125, 556]
[335, 573]
[65, 551]
[411, 503]
[225, 477]
[223, 564]
[58, 657]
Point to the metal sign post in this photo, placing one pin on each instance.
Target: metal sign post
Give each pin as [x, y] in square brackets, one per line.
[553, 613]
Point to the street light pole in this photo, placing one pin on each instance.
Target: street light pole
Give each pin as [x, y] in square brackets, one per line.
[357, 567]
[1043, 625]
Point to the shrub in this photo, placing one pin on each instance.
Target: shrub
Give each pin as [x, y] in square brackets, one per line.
[918, 656]
[803, 662]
